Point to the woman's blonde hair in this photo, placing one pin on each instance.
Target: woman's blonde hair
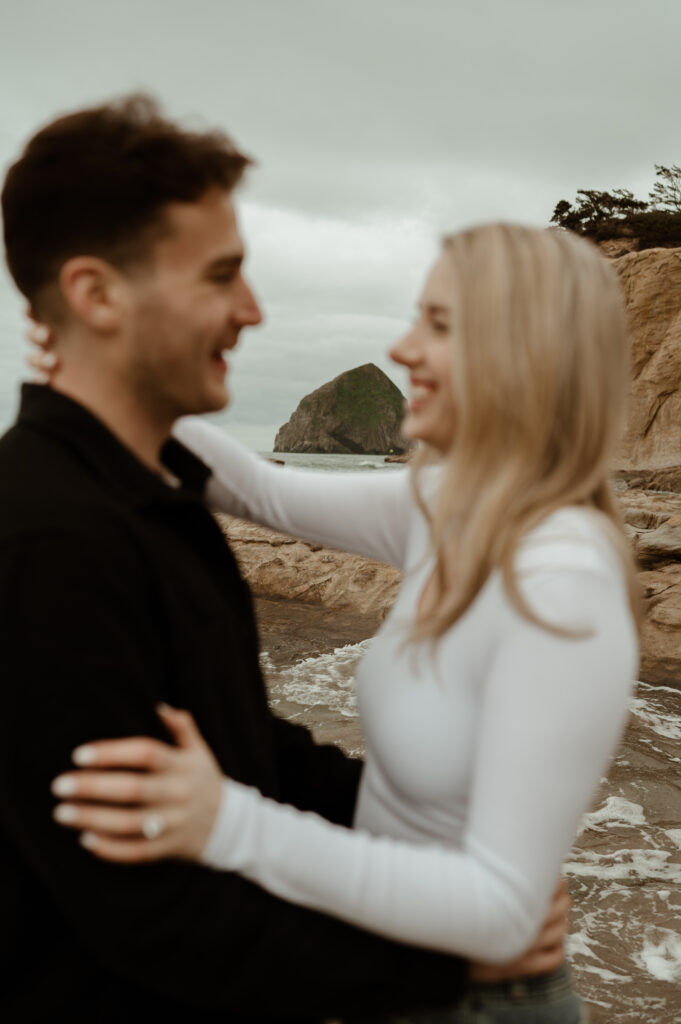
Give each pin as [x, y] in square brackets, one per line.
[540, 371]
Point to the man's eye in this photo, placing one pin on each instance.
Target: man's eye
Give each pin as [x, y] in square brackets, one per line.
[225, 278]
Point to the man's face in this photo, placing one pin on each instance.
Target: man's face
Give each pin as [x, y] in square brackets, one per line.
[186, 311]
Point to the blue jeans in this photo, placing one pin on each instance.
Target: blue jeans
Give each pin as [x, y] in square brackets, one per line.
[550, 999]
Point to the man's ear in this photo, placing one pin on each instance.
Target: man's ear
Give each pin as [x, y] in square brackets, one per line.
[94, 291]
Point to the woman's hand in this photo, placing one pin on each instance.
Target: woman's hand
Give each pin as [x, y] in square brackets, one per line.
[545, 955]
[42, 359]
[163, 805]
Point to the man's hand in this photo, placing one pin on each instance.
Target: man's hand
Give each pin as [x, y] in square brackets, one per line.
[546, 954]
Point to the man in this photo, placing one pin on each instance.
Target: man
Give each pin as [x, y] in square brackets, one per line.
[117, 591]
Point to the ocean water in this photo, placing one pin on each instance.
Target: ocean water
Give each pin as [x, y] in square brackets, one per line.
[624, 870]
[325, 681]
[333, 463]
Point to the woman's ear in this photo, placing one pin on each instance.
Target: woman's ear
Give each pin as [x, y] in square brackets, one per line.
[92, 291]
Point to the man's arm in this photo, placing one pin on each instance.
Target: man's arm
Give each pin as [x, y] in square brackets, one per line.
[81, 658]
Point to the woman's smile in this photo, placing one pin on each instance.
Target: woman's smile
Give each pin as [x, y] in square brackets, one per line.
[420, 391]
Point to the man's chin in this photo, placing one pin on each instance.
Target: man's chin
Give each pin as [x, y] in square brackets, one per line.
[213, 401]
[220, 403]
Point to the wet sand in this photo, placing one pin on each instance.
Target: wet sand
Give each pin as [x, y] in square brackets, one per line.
[625, 869]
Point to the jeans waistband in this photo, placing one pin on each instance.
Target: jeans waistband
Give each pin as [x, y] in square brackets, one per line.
[547, 988]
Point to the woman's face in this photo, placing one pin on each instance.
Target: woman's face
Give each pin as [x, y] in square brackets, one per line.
[426, 352]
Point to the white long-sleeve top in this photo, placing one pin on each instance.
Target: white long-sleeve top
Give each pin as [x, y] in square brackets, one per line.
[482, 753]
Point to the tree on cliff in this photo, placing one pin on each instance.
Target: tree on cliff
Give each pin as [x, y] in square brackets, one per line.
[666, 192]
[594, 210]
[617, 214]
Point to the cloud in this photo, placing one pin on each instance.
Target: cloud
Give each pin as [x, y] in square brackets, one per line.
[376, 125]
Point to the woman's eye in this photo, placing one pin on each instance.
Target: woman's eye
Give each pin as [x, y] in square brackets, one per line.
[439, 327]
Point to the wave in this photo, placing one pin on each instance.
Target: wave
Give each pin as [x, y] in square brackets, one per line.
[327, 680]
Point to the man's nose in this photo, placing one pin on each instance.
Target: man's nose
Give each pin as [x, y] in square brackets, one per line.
[249, 312]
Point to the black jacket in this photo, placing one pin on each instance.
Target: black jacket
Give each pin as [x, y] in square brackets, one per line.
[118, 591]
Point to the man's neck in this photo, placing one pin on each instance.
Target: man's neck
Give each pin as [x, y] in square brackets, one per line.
[120, 411]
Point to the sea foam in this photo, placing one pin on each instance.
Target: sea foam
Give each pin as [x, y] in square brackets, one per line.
[327, 680]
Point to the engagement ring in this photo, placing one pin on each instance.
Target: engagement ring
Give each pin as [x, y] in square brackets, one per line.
[153, 826]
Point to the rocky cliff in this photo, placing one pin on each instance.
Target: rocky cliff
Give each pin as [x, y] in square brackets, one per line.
[356, 413]
[652, 288]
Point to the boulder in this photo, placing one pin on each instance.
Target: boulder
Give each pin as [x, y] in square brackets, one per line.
[654, 524]
[662, 544]
[357, 413]
[278, 566]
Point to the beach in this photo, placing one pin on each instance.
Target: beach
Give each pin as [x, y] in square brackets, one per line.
[624, 872]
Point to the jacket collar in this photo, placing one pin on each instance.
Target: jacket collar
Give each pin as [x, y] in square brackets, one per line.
[50, 412]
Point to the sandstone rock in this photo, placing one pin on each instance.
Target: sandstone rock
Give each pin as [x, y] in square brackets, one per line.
[662, 544]
[652, 287]
[654, 521]
[653, 479]
[613, 248]
[358, 412]
[661, 631]
[282, 567]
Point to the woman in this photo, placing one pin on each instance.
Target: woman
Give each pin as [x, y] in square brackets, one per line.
[496, 690]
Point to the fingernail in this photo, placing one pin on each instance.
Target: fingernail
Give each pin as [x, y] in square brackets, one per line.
[64, 785]
[162, 708]
[41, 332]
[84, 755]
[88, 840]
[49, 360]
[65, 813]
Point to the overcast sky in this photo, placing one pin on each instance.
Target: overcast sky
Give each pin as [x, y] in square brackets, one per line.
[377, 125]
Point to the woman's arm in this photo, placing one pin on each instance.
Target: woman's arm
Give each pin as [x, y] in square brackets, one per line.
[366, 513]
[552, 709]
[552, 712]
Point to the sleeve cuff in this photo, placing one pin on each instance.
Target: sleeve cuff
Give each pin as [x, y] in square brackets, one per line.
[220, 849]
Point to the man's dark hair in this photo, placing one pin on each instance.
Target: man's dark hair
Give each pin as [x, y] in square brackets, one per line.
[95, 182]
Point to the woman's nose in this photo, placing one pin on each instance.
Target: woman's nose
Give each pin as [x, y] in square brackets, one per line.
[405, 350]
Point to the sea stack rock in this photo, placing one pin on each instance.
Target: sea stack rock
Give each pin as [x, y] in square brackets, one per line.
[357, 413]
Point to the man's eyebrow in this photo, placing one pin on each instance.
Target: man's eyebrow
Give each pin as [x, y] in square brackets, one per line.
[231, 262]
